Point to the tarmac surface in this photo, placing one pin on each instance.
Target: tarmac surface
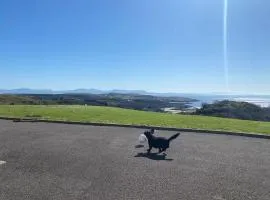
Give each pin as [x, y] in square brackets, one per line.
[69, 162]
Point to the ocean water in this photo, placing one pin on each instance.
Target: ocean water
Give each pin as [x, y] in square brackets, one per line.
[260, 100]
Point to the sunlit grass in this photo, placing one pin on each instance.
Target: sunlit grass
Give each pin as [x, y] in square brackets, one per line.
[126, 116]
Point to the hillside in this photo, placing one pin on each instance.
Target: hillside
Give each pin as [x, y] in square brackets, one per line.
[238, 110]
[16, 99]
[130, 101]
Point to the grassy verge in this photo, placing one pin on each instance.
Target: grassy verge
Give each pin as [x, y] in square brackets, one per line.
[124, 116]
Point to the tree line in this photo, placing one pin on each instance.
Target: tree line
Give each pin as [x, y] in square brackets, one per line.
[233, 109]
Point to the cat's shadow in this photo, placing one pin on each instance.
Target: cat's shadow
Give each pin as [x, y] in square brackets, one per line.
[154, 156]
[139, 146]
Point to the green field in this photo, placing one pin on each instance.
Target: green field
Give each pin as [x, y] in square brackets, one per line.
[125, 116]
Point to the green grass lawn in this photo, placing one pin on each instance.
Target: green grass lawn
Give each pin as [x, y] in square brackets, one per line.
[125, 116]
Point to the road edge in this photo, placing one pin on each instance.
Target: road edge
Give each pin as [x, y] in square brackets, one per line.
[252, 135]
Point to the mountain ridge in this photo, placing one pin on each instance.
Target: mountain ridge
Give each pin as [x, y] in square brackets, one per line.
[119, 91]
[82, 91]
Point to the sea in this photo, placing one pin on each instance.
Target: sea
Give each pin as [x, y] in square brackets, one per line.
[260, 100]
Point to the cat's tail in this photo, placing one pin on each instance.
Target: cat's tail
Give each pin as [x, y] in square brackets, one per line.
[173, 137]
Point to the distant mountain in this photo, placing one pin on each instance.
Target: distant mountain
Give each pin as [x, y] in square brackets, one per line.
[26, 91]
[202, 97]
[142, 92]
[90, 91]
[83, 91]
[76, 91]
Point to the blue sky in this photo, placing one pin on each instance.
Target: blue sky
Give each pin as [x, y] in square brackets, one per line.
[154, 45]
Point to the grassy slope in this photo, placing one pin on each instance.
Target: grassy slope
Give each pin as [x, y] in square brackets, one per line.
[124, 116]
[7, 99]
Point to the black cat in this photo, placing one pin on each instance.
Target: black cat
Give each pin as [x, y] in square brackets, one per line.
[160, 143]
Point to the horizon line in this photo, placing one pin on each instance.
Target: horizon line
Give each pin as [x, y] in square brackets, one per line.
[139, 90]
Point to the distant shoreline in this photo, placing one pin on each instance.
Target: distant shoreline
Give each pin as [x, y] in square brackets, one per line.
[260, 100]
